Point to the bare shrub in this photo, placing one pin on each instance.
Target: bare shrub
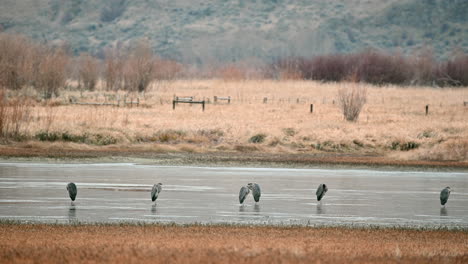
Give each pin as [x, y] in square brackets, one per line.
[139, 67]
[379, 68]
[113, 70]
[456, 70]
[424, 65]
[88, 71]
[15, 61]
[167, 69]
[14, 115]
[351, 100]
[329, 68]
[51, 72]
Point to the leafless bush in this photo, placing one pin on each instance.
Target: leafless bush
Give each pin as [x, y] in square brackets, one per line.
[14, 115]
[455, 71]
[113, 70]
[351, 100]
[15, 61]
[424, 65]
[379, 68]
[51, 72]
[88, 71]
[139, 67]
[167, 69]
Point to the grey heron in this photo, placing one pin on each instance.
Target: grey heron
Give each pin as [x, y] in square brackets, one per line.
[444, 195]
[72, 191]
[321, 190]
[245, 190]
[256, 192]
[155, 191]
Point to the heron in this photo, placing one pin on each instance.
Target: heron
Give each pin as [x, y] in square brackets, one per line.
[444, 195]
[245, 190]
[155, 191]
[321, 190]
[72, 191]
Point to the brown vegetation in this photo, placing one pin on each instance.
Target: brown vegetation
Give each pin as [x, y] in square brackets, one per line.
[218, 244]
[392, 123]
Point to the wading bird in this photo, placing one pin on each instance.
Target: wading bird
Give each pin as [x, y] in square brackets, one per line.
[321, 190]
[155, 191]
[72, 191]
[245, 190]
[444, 195]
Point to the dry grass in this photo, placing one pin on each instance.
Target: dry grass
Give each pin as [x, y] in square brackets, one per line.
[218, 244]
[393, 121]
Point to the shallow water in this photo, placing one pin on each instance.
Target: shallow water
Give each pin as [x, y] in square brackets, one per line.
[121, 192]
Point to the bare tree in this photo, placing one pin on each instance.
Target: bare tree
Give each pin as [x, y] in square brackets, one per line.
[113, 70]
[351, 100]
[88, 71]
[139, 67]
[51, 72]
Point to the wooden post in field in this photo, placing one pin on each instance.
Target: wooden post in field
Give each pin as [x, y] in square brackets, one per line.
[311, 108]
[138, 102]
[203, 105]
[173, 104]
[427, 109]
[215, 99]
[265, 99]
[229, 99]
[297, 101]
[465, 103]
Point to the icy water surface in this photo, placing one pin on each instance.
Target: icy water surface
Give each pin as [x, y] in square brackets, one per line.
[121, 192]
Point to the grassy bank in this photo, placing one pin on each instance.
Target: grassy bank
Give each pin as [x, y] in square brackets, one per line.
[215, 244]
[392, 125]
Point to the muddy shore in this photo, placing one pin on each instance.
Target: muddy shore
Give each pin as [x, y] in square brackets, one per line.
[254, 159]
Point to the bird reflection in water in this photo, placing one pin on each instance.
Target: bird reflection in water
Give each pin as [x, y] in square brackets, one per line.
[72, 213]
[153, 209]
[257, 208]
[320, 209]
[242, 208]
[443, 211]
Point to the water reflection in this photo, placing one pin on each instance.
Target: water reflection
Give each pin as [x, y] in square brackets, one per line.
[443, 211]
[153, 209]
[241, 208]
[72, 213]
[320, 209]
[257, 208]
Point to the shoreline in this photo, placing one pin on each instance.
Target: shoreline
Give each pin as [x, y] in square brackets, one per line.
[10, 153]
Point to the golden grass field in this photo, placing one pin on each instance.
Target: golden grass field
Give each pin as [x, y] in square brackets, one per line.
[226, 244]
[392, 121]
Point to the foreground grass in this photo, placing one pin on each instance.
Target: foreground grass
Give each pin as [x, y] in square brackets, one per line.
[227, 244]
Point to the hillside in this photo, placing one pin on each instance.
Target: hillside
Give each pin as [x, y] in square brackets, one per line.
[204, 31]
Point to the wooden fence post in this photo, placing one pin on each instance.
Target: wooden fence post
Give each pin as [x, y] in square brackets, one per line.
[229, 99]
[427, 109]
[173, 104]
[265, 99]
[215, 99]
[311, 108]
[203, 105]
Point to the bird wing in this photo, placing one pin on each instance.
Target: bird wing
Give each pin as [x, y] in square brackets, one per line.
[320, 191]
[444, 195]
[154, 192]
[72, 190]
[244, 191]
[256, 192]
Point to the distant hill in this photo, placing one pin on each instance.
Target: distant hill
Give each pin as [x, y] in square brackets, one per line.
[200, 31]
